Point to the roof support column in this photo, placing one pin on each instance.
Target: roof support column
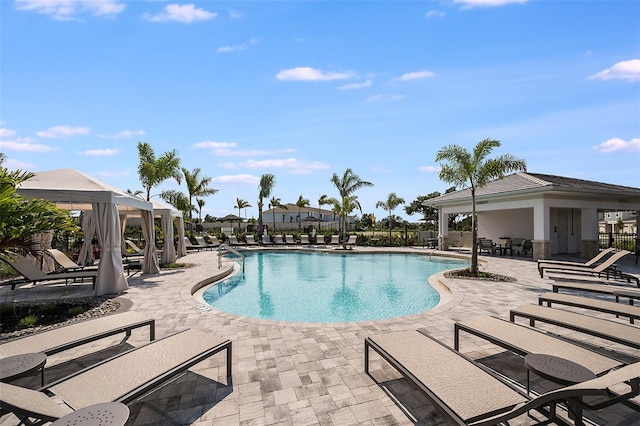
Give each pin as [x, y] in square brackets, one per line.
[590, 242]
[443, 229]
[541, 231]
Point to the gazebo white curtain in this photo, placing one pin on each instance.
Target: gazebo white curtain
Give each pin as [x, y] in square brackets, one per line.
[182, 247]
[111, 277]
[150, 264]
[169, 252]
[88, 229]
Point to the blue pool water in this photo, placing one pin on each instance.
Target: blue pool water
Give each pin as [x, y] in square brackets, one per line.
[324, 287]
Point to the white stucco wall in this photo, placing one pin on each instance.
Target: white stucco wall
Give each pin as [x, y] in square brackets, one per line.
[513, 223]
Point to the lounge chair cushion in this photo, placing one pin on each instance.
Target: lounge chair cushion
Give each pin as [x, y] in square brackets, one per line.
[31, 402]
[452, 378]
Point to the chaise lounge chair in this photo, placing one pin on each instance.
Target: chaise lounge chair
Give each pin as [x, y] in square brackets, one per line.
[251, 240]
[471, 394]
[122, 378]
[60, 339]
[594, 260]
[607, 267]
[524, 340]
[205, 245]
[266, 240]
[33, 275]
[609, 330]
[351, 242]
[304, 240]
[605, 306]
[289, 240]
[277, 240]
[66, 264]
[233, 240]
[335, 240]
[190, 246]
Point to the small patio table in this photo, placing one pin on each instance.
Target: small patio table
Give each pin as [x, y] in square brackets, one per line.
[107, 413]
[16, 366]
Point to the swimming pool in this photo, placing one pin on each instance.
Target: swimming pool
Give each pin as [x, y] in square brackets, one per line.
[326, 287]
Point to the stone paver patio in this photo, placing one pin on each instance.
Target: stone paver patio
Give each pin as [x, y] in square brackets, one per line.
[309, 374]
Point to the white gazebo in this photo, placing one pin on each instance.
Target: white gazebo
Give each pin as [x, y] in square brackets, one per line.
[70, 189]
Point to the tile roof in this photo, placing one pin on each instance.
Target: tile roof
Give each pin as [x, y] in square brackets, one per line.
[526, 182]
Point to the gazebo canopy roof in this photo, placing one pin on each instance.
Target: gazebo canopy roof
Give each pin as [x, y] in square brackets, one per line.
[70, 189]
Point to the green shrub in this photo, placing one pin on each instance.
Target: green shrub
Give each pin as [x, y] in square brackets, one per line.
[28, 321]
[76, 310]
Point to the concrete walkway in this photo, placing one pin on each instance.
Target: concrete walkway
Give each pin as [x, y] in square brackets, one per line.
[309, 374]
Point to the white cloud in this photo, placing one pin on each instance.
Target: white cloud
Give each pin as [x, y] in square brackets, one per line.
[239, 47]
[125, 134]
[434, 14]
[185, 14]
[237, 179]
[429, 169]
[353, 86]
[229, 149]
[293, 165]
[67, 10]
[11, 164]
[100, 152]
[625, 70]
[384, 98]
[415, 75]
[63, 131]
[7, 133]
[617, 144]
[24, 145]
[468, 4]
[311, 74]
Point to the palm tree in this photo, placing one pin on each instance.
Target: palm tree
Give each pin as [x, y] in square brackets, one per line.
[196, 187]
[345, 207]
[302, 202]
[177, 199]
[242, 204]
[473, 170]
[273, 203]
[321, 202]
[393, 201]
[200, 203]
[267, 182]
[347, 185]
[153, 171]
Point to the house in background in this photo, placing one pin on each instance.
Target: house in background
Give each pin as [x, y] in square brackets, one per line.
[611, 221]
[559, 214]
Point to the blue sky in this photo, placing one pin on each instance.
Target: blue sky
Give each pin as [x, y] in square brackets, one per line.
[303, 89]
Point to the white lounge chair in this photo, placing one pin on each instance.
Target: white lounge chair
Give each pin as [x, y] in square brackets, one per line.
[122, 378]
[607, 267]
[289, 240]
[594, 260]
[62, 338]
[351, 242]
[66, 264]
[471, 394]
[605, 306]
[304, 239]
[335, 240]
[251, 240]
[205, 245]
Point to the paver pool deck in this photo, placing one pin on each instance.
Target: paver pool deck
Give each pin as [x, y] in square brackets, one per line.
[311, 374]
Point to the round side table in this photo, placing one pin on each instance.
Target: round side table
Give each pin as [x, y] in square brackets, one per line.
[16, 366]
[108, 413]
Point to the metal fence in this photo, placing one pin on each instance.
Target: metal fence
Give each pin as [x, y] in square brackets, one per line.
[622, 241]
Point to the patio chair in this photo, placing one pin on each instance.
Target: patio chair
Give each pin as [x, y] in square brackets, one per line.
[607, 267]
[266, 240]
[214, 242]
[205, 245]
[63, 338]
[523, 340]
[486, 245]
[33, 275]
[351, 242]
[522, 249]
[304, 239]
[190, 246]
[469, 393]
[233, 240]
[289, 240]
[609, 330]
[335, 240]
[251, 240]
[277, 240]
[122, 378]
[594, 260]
[598, 305]
[65, 263]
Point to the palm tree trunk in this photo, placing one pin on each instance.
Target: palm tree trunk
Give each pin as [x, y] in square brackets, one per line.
[474, 234]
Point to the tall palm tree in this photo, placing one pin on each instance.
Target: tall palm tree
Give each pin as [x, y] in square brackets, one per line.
[267, 182]
[302, 202]
[321, 202]
[201, 204]
[273, 204]
[179, 200]
[153, 171]
[241, 204]
[473, 170]
[393, 201]
[347, 185]
[344, 208]
[196, 187]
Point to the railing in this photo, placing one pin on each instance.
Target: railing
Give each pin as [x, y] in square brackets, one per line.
[436, 248]
[224, 248]
[622, 241]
